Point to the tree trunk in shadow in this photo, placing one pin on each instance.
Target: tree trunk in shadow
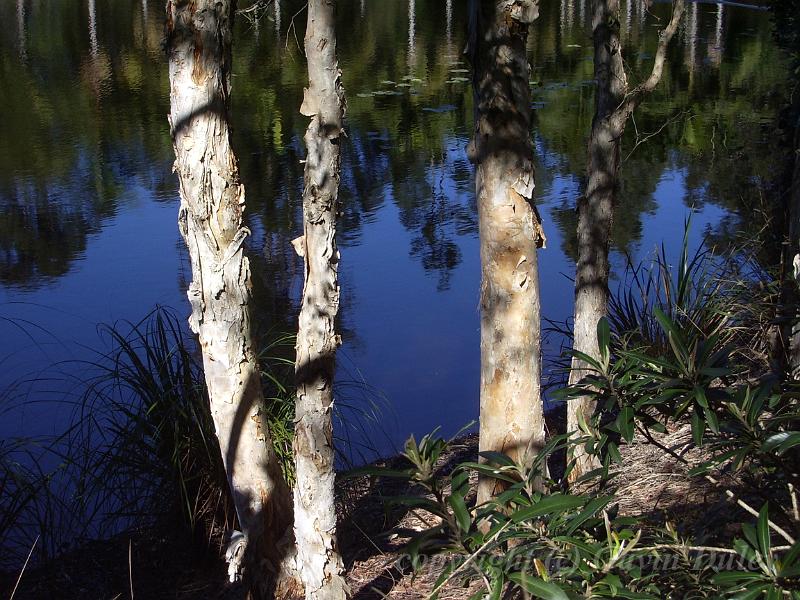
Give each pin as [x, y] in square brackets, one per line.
[511, 409]
[595, 211]
[320, 564]
[614, 104]
[210, 221]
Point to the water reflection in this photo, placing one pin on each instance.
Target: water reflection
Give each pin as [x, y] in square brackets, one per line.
[449, 18]
[99, 162]
[691, 40]
[412, 26]
[717, 48]
[93, 45]
[21, 44]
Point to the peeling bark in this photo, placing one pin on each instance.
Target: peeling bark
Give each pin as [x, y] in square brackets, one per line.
[210, 221]
[320, 565]
[790, 334]
[614, 104]
[511, 409]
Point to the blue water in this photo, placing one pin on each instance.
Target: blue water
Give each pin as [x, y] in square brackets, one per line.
[409, 245]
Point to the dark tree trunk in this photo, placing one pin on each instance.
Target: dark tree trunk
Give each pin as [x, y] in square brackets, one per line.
[614, 104]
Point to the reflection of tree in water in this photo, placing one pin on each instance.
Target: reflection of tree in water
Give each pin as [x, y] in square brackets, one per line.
[716, 125]
[44, 225]
[365, 173]
[436, 211]
[432, 246]
[38, 240]
[81, 130]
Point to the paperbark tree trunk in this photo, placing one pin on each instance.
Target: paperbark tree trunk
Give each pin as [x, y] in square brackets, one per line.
[210, 221]
[511, 409]
[789, 344]
[614, 104]
[320, 564]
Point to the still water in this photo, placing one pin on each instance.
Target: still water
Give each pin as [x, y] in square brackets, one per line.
[88, 202]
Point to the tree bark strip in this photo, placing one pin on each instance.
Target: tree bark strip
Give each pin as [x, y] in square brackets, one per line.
[210, 220]
[511, 409]
[614, 104]
[790, 331]
[320, 564]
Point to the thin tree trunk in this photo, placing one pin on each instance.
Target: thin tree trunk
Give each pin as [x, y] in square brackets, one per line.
[511, 410]
[320, 564]
[791, 298]
[210, 221]
[595, 210]
[614, 105]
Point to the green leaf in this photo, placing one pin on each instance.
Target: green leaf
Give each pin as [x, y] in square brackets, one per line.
[674, 336]
[774, 593]
[547, 505]
[700, 396]
[625, 423]
[698, 428]
[592, 362]
[460, 511]
[603, 337]
[729, 578]
[751, 593]
[490, 471]
[587, 513]
[790, 557]
[750, 534]
[744, 549]
[538, 587]
[711, 420]
[762, 529]
[790, 442]
[613, 452]
[498, 581]
[418, 502]
[497, 458]
[459, 482]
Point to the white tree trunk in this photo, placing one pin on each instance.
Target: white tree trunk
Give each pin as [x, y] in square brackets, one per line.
[320, 564]
[791, 290]
[511, 409]
[210, 221]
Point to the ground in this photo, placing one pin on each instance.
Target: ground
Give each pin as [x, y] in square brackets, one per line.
[152, 565]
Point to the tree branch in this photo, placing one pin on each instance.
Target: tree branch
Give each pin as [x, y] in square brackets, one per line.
[635, 97]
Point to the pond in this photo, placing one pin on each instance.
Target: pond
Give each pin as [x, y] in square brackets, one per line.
[88, 222]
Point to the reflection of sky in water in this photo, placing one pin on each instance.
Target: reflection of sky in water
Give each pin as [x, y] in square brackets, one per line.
[410, 264]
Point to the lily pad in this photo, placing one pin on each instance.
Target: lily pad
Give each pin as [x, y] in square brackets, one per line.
[439, 109]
